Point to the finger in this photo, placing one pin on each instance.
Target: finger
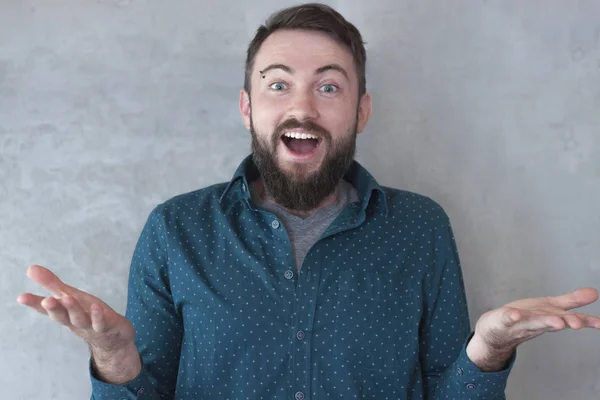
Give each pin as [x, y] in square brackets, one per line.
[33, 301]
[529, 319]
[570, 320]
[542, 323]
[56, 311]
[77, 315]
[49, 281]
[573, 321]
[589, 321]
[555, 323]
[97, 317]
[577, 298]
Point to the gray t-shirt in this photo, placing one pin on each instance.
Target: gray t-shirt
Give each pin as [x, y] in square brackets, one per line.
[304, 232]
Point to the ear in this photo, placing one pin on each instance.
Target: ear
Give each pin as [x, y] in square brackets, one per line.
[245, 107]
[364, 111]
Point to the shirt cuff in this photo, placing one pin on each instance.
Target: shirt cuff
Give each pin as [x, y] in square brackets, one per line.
[138, 388]
[474, 383]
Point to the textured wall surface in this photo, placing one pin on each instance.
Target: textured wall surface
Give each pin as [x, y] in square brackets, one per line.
[108, 107]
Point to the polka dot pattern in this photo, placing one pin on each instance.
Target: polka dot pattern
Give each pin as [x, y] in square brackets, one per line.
[377, 311]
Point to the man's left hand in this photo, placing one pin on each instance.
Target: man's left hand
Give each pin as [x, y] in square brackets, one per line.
[498, 332]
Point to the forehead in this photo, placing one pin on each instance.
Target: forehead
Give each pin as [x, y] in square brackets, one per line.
[303, 50]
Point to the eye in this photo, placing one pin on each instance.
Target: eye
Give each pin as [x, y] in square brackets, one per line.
[278, 86]
[329, 88]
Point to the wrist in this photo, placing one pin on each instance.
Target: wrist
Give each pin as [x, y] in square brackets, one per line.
[485, 357]
[117, 366]
[114, 353]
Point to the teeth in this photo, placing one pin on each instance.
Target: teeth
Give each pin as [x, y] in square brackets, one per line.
[298, 135]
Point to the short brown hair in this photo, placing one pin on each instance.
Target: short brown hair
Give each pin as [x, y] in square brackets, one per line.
[315, 17]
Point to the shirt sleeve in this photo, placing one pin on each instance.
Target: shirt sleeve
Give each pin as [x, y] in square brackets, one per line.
[445, 331]
[158, 326]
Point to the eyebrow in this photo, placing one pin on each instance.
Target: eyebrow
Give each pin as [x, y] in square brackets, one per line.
[333, 67]
[277, 66]
[318, 71]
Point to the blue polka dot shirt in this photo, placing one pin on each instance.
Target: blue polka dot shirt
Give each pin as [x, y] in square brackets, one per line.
[377, 311]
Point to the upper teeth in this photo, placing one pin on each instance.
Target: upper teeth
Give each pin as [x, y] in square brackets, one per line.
[295, 135]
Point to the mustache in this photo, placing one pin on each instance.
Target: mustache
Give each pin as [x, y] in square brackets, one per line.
[308, 126]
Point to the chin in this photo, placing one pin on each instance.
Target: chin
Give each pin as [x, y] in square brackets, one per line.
[299, 169]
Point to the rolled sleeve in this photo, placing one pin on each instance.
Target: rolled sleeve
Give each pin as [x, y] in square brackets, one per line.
[158, 326]
[448, 373]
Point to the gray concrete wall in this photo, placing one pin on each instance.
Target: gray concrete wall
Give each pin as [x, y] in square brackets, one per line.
[111, 106]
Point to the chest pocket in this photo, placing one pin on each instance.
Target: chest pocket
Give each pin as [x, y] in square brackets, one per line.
[374, 327]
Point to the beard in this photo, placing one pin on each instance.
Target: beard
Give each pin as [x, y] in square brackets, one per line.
[298, 189]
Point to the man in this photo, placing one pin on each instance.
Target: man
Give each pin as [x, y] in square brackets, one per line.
[301, 278]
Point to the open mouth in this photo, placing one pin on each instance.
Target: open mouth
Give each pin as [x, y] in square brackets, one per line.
[301, 143]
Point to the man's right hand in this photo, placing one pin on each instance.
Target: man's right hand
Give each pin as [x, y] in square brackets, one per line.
[109, 334]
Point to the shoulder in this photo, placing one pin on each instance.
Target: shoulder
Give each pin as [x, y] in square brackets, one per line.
[414, 206]
[194, 202]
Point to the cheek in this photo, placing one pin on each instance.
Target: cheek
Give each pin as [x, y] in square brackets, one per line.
[337, 120]
[263, 123]
[266, 114]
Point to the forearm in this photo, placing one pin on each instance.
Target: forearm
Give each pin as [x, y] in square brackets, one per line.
[464, 380]
[116, 367]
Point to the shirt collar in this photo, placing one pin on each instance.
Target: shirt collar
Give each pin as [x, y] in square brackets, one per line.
[370, 193]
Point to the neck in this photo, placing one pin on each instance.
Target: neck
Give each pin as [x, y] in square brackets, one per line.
[259, 190]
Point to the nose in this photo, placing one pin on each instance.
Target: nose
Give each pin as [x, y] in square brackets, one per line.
[303, 106]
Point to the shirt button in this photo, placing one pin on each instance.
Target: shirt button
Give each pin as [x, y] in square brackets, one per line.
[470, 386]
[300, 335]
[299, 396]
[288, 274]
[275, 224]
[140, 392]
[459, 371]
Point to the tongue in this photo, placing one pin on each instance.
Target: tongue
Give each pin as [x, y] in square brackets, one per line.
[302, 146]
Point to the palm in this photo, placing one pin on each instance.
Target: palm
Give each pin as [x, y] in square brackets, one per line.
[525, 319]
[73, 308]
